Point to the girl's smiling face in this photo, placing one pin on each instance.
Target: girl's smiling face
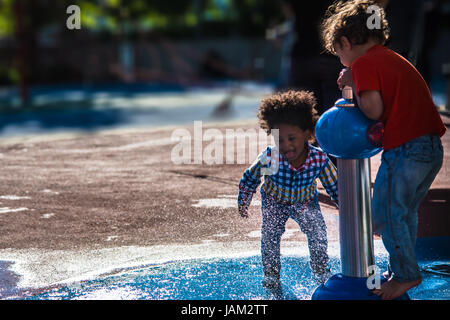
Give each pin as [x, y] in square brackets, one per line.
[293, 143]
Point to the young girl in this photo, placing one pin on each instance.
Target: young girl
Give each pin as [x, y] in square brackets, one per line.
[291, 191]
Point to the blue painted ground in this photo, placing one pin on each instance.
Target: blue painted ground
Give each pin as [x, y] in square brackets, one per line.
[220, 279]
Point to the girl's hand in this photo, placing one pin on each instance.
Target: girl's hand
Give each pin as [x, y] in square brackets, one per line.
[345, 78]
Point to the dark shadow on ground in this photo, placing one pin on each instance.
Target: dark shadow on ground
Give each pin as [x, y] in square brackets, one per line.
[325, 199]
[434, 214]
[204, 177]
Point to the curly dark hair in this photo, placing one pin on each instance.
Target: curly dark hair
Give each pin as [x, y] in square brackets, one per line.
[350, 19]
[296, 108]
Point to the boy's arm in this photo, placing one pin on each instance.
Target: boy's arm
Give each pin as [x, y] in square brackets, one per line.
[250, 181]
[370, 103]
[328, 177]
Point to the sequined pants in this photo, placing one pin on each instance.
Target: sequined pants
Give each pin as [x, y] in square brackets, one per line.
[311, 222]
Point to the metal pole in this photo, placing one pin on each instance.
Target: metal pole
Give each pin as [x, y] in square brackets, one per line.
[355, 224]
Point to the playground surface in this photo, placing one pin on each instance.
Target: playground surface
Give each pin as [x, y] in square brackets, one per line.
[76, 206]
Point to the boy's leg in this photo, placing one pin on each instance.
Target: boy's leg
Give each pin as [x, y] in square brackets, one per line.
[402, 181]
[423, 188]
[309, 218]
[274, 217]
[380, 200]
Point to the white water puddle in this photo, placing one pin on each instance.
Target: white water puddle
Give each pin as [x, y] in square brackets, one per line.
[9, 210]
[49, 191]
[254, 234]
[47, 215]
[222, 202]
[127, 293]
[12, 197]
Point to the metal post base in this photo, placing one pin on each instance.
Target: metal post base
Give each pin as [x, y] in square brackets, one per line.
[341, 287]
[355, 217]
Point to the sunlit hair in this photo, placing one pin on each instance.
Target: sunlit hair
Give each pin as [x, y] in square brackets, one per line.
[349, 19]
[291, 107]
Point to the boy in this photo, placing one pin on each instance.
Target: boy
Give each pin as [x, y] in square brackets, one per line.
[390, 89]
[290, 191]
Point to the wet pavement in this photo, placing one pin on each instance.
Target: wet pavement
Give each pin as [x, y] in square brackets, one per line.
[87, 206]
[220, 279]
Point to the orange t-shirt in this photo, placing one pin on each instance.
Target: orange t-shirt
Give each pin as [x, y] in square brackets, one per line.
[409, 111]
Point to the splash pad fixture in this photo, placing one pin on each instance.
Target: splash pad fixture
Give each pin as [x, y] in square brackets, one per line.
[213, 268]
[347, 134]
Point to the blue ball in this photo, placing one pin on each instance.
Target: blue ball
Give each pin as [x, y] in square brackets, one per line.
[343, 132]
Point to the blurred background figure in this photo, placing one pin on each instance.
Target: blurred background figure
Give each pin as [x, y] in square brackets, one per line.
[134, 41]
[286, 36]
[310, 68]
[127, 48]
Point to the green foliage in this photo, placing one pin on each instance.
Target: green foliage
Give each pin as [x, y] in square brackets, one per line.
[171, 17]
[6, 18]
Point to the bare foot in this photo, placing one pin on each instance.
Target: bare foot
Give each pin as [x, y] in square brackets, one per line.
[393, 289]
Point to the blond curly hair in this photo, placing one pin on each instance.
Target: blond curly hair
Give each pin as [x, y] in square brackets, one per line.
[349, 19]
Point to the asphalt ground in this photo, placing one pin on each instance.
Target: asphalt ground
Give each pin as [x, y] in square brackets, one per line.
[86, 203]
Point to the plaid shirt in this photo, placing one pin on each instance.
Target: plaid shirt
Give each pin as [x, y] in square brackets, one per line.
[290, 185]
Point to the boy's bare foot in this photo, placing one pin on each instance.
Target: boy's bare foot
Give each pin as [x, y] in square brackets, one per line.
[393, 289]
